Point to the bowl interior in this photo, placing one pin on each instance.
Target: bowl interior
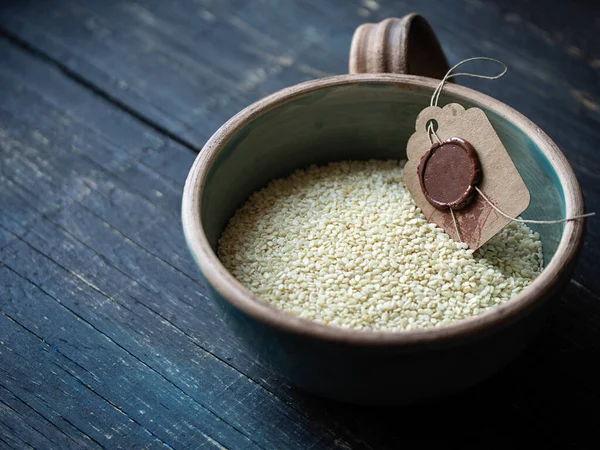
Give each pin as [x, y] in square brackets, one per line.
[363, 120]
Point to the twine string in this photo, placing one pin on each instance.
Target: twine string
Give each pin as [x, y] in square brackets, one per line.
[435, 97]
[436, 94]
[456, 225]
[514, 219]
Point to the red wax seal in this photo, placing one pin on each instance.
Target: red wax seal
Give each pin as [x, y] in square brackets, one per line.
[448, 173]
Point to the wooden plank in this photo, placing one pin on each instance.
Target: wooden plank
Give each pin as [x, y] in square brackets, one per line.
[122, 231]
[44, 234]
[64, 384]
[195, 49]
[191, 65]
[100, 163]
[137, 262]
[21, 420]
[573, 28]
[58, 189]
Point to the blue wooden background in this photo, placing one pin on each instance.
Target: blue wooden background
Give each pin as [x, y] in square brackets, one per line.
[106, 337]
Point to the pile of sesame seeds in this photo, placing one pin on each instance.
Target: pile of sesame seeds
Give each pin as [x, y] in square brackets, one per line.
[344, 244]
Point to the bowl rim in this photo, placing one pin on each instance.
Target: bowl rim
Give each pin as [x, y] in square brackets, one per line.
[551, 278]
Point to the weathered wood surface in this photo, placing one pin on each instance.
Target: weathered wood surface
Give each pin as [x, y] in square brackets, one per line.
[106, 338]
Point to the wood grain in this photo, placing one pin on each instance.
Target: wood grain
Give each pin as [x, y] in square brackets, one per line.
[119, 93]
[87, 266]
[181, 82]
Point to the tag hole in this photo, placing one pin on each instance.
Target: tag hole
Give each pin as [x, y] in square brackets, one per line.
[433, 123]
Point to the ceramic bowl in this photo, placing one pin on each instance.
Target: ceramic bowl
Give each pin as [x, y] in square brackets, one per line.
[365, 116]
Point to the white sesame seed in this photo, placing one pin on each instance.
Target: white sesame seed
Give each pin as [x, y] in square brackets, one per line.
[344, 244]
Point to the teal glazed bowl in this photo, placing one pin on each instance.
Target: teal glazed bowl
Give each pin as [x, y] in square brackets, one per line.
[366, 116]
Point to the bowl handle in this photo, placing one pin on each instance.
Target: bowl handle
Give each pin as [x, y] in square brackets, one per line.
[407, 46]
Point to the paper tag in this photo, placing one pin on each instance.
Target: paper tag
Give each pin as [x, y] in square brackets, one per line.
[500, 180]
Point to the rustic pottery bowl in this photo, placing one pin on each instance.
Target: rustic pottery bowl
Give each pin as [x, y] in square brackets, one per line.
[363, 116]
